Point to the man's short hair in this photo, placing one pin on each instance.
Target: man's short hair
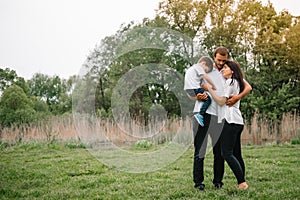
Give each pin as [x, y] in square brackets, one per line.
[208, 62]
[222, 51]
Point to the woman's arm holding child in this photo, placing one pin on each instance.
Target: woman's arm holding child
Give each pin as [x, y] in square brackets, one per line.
[208, 79]
[220, 100]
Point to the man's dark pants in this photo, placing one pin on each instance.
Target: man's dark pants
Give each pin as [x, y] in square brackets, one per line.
[213, 128]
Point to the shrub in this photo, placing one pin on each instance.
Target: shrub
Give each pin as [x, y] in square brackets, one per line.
[143, 144]
[295, 141]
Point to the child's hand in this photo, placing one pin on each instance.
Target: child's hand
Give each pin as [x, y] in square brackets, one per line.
[205, 86]
[213, 87]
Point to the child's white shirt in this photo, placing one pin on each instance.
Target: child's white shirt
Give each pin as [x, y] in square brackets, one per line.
[193, 77]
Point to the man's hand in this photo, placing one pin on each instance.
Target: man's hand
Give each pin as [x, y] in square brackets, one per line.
[201, 97]
[232, 100]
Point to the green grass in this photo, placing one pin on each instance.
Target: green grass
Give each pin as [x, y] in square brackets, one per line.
[56, 171]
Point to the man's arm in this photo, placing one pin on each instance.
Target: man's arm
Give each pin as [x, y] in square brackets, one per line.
[233, 99]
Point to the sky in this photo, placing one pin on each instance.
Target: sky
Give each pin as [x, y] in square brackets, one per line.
[54, 37]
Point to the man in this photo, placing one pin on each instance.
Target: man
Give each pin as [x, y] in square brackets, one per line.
[221, 54]
[211, 125]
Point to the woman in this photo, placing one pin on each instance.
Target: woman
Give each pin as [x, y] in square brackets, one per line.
[233, 125]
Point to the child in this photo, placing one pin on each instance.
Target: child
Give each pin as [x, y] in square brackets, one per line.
[195, 76]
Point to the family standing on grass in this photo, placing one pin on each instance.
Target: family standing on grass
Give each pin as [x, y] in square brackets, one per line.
[217, 88]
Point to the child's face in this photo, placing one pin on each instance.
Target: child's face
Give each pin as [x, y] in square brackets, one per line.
[205, 68]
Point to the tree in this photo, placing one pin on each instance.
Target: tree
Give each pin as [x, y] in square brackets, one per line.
[185, 16]
[15, 107]
[272, 62]
[136, 46]
[56, 92]
[9, 77]
[293, 57]
[264, 42]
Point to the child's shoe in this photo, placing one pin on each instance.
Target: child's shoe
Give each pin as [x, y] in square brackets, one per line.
[199, 119]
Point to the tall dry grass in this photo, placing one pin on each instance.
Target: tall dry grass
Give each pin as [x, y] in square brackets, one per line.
[262, 131]
[93, 131]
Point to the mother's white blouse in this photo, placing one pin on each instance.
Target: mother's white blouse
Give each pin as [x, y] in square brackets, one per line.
[231, 114]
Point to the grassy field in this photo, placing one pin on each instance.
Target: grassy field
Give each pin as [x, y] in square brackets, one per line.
[57, 171]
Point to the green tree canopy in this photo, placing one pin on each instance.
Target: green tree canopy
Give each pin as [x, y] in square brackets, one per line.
[264, 42]
[56, 92]
[15, 107]
[9, 77]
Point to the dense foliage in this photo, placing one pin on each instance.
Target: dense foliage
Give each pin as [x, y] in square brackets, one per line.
[264, 42]
[25, 102]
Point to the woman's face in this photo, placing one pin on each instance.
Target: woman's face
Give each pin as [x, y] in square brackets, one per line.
[226, 72]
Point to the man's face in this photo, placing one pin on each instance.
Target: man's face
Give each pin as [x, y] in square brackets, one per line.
[220, 60]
